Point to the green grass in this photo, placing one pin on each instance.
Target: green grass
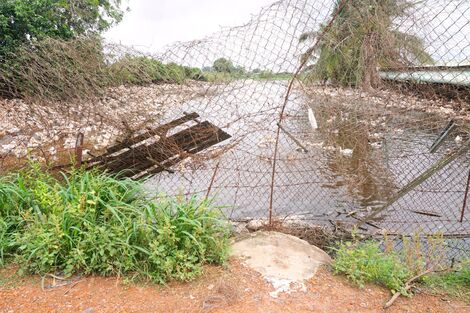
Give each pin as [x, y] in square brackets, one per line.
[225, 77]
[94, 223]
[364, 262]
[218, 77]
[455, 283]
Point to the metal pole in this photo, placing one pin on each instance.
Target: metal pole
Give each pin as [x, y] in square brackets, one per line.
[465, 197]
[307, 54]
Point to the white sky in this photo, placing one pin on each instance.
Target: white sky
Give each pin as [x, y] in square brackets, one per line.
[271, 42]
[152, 24]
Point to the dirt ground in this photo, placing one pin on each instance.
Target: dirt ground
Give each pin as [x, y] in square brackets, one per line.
[233, 288]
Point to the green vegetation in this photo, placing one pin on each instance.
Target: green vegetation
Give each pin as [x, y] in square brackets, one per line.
[55, 69]
[455, 283]
[29, 21]
[80, 69]
[141, 70]
[364, 262]
[362, 39]
[223, 70]
[218, 77]
[269, 75]
[51, 50]
[92, 222]
[223, 65]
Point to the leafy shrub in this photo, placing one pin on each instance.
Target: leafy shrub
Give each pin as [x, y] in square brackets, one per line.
[194, 73]
[134, 71]
[92, 222]
[218, 77]
[81, 68]
[141, 70]
[223, 65]
[364, 262]
[55, 70]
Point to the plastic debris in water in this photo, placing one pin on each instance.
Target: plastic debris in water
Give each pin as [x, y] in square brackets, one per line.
[346, 152]
[312, 119]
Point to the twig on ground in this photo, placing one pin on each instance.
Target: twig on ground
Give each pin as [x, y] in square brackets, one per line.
[54, 278]
[73, 285]
[408, 286]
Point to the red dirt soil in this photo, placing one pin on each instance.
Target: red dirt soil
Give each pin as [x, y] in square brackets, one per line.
[231, 289]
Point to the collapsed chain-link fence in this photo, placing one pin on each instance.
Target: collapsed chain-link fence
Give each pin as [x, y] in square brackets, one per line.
[319, 111]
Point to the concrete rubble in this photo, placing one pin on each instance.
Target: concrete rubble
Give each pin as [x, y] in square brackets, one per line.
[284, 261]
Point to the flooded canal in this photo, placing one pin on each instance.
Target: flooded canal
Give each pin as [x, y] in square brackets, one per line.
[362, 153]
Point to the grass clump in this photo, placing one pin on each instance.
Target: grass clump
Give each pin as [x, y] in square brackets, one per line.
[455, 283]
[364, 262]
[94, 223]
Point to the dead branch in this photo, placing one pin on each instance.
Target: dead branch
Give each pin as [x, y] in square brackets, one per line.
[408, 286]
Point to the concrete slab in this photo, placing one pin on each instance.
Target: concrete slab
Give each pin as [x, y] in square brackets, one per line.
[284, 261]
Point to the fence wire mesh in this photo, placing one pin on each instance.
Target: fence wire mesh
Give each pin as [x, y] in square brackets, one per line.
[340, 113]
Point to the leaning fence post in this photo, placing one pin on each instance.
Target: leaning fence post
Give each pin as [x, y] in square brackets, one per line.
[307, 54]
[212, 180]
[465, 197]
[79, 149]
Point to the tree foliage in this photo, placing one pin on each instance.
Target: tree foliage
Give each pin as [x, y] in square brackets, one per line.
[28, 21]
[223, 65]
[363, 38]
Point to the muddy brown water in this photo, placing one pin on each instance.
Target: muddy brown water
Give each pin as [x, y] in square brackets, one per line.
[361, 154]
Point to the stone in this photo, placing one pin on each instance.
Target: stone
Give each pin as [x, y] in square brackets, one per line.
[255, 225]
[239, 228]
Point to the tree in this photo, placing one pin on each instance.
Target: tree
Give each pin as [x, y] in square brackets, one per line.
[28, 21]
[223, 65]
[362, 39]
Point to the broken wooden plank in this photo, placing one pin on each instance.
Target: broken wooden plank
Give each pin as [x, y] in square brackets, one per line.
[146, 159]
[153, 132]
[198, 138]
[178, 159]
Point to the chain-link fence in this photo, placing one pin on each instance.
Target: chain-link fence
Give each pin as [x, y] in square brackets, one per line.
[335, 113]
